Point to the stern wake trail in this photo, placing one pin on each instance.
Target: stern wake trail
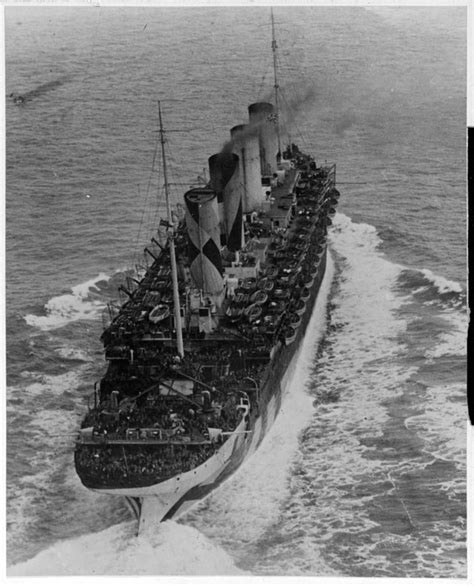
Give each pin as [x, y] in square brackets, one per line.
[169, 549]
[241, 512]
[222, 519]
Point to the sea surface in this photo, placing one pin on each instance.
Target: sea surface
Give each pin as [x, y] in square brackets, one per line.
[364, 472]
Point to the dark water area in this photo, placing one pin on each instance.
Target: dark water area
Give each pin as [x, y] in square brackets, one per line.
[364, 472]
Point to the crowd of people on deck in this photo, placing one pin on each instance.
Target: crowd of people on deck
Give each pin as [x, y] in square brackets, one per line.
[131, 465]
[128, 404]
[188, 429]
[174, 418]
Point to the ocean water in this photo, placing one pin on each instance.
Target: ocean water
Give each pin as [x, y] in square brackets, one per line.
[364, 472]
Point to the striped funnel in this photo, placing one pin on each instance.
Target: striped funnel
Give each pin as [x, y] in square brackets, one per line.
[225, 180]
[262, 116]
[202, 222]
[246, 146]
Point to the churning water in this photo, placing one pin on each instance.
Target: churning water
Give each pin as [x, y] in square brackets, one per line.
[364, 472]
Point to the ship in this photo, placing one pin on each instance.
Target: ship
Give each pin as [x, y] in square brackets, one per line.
[202, 350]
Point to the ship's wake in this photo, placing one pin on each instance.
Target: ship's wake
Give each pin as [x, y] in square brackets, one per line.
[235, 515]
[386, 447]
[374, 426]
[170, 549]
[240, 513]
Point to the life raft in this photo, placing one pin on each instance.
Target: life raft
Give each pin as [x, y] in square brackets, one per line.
[290, 335]
[266, 284]
[253, 312]
[299, 307]
[159, 313]
[259, 297]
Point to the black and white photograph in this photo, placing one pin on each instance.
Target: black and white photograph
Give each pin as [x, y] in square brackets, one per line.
[236, 289]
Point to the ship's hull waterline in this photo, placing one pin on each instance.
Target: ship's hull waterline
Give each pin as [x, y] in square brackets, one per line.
[173, 497]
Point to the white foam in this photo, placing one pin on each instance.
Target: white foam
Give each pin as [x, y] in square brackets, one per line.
[366, 301]
[53, 425]
[52, 430]
[361, 363]
[243, 508]
[70, 307]
[454, 342]
[172, 549]
[442, 423]
[51, 385]
[49, 427]
[84, 289]
[248, 503]
[70, 353]
[344, 469]
[443, 285]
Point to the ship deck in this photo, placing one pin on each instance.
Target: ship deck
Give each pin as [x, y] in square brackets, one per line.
[280, 210]
[141, 442]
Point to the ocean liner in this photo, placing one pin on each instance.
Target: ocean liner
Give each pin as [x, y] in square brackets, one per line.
[200, 353]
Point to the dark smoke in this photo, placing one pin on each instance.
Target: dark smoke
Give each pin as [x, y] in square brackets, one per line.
[248, 130]
[221, 168]
[39, 90]
[303, 100]
[289, 110]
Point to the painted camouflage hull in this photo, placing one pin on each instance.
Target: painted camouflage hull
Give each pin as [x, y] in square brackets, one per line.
[174, 496]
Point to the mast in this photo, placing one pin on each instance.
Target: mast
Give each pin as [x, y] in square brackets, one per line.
[174, 270]
[275, 85]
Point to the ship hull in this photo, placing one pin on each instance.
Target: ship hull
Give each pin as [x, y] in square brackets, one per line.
[173, 497]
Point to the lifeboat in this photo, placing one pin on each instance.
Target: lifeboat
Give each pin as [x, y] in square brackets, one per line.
[271, 272]
[290, 335]
[317, 256]
[316, 261]
[266, 284]
[305, 293]
[309, 280]
[159, 313]
[331, 212]
[253, 312]
[249, 284]
[299, 307]
[295, 320]
[241, 299]
[259, 297]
